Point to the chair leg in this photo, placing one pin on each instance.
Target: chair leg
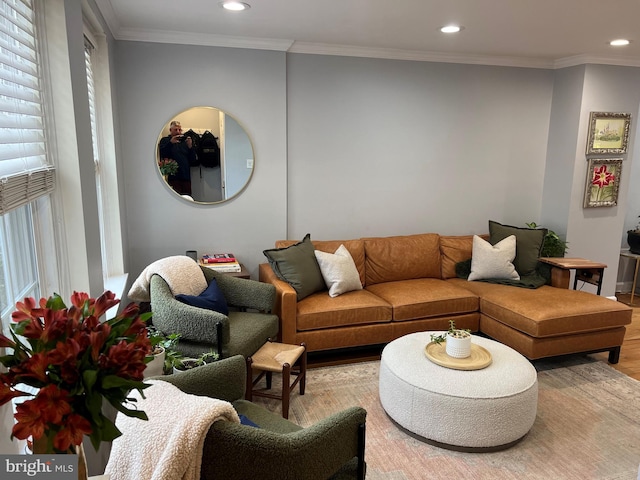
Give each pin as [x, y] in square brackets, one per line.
[361, 445]
[303, 369]
[219, 338]
[248, 394]
[286, 389]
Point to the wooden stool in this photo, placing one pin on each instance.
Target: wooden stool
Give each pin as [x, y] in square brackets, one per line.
[279, 358]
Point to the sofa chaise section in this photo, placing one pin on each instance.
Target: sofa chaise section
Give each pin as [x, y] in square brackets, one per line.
[550, 321]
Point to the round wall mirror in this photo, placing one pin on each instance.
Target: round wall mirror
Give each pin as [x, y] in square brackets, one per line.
[204, 155]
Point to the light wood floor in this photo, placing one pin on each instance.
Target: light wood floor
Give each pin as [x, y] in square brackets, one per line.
[629, 363]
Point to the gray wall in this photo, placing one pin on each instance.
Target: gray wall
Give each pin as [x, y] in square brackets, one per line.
[598, 233]
[349, 147]
[156, 81]
[381, 147]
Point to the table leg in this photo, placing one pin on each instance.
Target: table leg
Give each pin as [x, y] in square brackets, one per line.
[635, 279]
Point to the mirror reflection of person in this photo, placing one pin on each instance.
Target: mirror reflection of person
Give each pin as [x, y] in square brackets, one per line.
[179, 148]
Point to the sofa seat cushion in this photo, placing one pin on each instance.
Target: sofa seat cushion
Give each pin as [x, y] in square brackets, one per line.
[389, 259]
[352, 308]
[547, 311]
[425, 297]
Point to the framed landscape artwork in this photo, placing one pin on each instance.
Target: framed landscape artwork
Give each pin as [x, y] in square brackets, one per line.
[603, 181]
[608, 132]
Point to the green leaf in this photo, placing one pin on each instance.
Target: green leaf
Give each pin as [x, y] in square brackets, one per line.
[55, 302]
[114, 381]
[129, 412]
[89, 378]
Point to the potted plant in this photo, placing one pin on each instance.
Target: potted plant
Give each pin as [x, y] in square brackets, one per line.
[185, 364]
[76, 362]
[553, 245]
[165, 354]
[633, 239]
[457, 341]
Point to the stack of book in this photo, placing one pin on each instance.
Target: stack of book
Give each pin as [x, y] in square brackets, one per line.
[221, 262]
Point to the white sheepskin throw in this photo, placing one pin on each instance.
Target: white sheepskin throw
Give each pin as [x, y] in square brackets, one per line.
[181, 273]
[169, 445]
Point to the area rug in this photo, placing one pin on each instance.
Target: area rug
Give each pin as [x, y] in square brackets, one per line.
[587, 426]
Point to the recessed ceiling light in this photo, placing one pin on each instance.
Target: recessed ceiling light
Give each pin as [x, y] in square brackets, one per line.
[620, 42]
[451, 29]
[235, 6]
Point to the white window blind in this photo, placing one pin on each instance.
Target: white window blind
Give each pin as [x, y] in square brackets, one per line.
[25, 173]
[91, 87]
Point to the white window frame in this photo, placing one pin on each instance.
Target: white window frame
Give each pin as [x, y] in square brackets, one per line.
[105, 159]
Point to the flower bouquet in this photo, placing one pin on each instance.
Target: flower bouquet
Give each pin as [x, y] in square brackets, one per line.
[74, 361]
[168, 166]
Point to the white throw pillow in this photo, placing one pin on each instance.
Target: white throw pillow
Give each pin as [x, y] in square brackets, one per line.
[493, 261]
[339, 271]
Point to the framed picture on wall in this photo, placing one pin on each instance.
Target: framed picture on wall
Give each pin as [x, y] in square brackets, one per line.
[608, 132]
[603, 181]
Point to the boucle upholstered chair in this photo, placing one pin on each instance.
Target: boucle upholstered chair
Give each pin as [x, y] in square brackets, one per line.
[242, 332]
[333, 448]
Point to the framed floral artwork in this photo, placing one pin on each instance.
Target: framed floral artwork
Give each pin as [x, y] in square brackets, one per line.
[603, 180]
[608, 133]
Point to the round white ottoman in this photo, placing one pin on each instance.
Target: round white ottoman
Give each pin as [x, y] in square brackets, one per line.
[469, 410]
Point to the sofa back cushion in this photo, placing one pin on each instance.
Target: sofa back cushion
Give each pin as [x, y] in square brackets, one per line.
[455, 249]
[355, 247]
[390, 259]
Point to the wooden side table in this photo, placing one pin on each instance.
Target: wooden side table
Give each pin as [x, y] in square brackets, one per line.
[586, 271]
[636, 258]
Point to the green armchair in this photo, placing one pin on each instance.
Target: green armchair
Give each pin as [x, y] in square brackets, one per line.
[242, 332]
[278, 450]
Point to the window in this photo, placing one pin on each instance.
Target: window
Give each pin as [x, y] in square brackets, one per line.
[25, 172]
[103, 141]
[91, 88]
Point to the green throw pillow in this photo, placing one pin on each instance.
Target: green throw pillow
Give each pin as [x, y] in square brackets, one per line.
[528, 244]
[297, 265]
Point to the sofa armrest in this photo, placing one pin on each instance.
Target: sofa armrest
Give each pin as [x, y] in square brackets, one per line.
[560, 277]
[240, 292]
[313, 453]
[224, 379]
[286, 303]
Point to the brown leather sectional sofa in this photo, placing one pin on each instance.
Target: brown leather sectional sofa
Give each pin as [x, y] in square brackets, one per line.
[410, 285]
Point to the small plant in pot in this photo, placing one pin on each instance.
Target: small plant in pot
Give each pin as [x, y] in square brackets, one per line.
[553, 245]
[457, 341]
[188, 363]
[164, 352]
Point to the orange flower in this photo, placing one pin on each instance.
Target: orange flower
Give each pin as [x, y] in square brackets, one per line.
[53, 403]
[74, 428]
[6, 393]
[29, 421]
[72, 356]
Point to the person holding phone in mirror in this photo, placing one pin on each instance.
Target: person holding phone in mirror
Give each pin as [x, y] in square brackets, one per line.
[179, 148]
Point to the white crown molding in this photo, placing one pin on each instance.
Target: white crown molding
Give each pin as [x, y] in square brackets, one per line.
[596, 59]
[206, 39]
[109, 15]
[393, 54]
[291, 46]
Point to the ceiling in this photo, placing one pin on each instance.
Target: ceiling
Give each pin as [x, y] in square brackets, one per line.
[528, 33]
